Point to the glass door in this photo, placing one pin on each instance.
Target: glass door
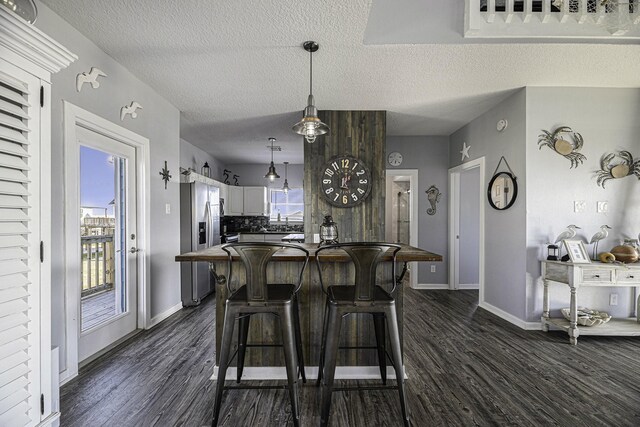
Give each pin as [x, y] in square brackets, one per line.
[108, 306]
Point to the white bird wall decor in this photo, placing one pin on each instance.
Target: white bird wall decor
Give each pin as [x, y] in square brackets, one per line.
[569, 233]
[130, 109]
[90, 77]
[600, 235]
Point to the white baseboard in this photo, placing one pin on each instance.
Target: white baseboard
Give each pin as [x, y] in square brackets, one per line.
[510, 317]
[431, 286]
[533, 326]
[162, 316]
[466, 286]
[65, 377]
[52, 420]
[280, 373]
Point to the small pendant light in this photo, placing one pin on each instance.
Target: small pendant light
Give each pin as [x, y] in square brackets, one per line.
[272, 174]
[310, 126]
[285, 187]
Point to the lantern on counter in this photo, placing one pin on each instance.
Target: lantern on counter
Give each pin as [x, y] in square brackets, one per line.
[553, 251]
[328, 232]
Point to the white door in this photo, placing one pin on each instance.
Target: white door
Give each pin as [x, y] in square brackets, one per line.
[108, 230]
[466, 226]
[21, 283]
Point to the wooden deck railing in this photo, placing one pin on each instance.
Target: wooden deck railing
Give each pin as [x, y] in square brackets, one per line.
[98, 267]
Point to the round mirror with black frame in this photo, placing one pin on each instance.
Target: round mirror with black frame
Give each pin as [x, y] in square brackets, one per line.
[502, 191]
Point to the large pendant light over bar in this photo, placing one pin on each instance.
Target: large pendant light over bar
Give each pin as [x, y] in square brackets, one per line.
[272, 174]
[285, 187]
[310, 126]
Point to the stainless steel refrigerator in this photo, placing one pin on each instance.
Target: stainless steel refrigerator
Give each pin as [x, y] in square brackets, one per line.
[199, 229]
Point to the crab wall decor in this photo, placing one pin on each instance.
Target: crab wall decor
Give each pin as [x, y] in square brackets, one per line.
[567, 149]
[626, 167]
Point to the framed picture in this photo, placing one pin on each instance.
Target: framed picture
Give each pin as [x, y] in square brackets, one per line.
[577, 252]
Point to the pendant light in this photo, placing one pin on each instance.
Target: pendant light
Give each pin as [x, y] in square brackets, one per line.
[272, 174]
[310, 126]
[285, 187]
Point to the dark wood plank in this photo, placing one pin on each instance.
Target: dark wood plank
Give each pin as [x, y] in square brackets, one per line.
[465, 367]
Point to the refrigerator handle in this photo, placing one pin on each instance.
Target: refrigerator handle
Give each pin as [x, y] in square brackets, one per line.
[209, 225]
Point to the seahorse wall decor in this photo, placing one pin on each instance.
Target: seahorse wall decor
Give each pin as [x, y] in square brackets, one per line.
[433, 196]
[226, 176]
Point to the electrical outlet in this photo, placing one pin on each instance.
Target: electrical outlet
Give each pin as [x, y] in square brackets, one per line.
[167, 208]
[603, 207]
[433, 268]
[579, 206]
[613, 299]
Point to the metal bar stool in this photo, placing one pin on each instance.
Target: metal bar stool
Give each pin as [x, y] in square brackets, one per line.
[364, 296]
[257, 296]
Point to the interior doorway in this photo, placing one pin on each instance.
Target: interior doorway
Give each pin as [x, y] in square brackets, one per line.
[466, 230]
[401, 212]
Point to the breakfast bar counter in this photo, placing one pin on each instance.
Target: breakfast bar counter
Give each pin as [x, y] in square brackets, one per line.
[286, 269]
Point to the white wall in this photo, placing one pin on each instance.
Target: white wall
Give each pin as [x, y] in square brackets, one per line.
[608, 121]
[159, 121]
[194, 157]
[505, 231]
[429, 155]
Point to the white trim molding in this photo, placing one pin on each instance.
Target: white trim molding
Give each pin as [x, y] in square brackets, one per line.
[31, 44]
[155, 320]
[74, 116]
[529, 326]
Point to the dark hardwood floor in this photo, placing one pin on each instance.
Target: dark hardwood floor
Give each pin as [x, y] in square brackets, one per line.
[466, 367]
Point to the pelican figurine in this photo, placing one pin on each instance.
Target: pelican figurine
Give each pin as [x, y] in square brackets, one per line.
[569, 233]
[600, 235]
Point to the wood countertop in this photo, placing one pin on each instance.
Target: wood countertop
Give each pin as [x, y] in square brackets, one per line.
[215, 253]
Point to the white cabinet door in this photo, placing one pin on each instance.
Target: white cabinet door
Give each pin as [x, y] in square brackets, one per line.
[234, 206]
[255, 200]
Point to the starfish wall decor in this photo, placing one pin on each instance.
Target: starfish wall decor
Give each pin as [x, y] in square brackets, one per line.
[165, 175]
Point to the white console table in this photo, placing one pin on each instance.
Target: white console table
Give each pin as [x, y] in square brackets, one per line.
[592, 275]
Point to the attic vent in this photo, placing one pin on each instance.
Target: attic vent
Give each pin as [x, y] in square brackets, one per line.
[593, 19]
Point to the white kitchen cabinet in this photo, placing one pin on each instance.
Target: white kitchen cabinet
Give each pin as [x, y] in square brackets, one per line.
[28, 57]
[246, 201]
[234, 204]
[255, 201]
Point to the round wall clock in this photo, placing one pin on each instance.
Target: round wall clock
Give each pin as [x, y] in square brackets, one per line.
[346, 181]
[395, 158]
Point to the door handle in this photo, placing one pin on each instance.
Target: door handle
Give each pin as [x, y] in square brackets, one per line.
[133, 250]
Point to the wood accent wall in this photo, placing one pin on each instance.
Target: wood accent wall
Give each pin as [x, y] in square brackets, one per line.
[361, 134]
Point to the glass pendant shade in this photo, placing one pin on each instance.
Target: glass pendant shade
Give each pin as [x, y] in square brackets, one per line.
[25, 9]
[310, 126]
[271, 173]
[615, 16]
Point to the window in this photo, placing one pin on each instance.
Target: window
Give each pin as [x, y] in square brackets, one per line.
[289, 205]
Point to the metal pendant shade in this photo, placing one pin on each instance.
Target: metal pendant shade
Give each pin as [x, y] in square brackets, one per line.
[25, 9]
[272, 174]
[285, 187]
[310, 126]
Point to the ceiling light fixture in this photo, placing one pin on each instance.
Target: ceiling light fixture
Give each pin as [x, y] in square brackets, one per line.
[285, 187]
[310, 126]
[272, 174]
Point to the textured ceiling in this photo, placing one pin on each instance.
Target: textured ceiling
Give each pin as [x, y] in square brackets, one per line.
[238, 73]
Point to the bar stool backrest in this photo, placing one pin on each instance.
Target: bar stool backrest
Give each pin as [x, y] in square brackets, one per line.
[255, 257]
[365, 257]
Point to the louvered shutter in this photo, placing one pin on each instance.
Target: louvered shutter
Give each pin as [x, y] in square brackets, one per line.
[19, 303]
